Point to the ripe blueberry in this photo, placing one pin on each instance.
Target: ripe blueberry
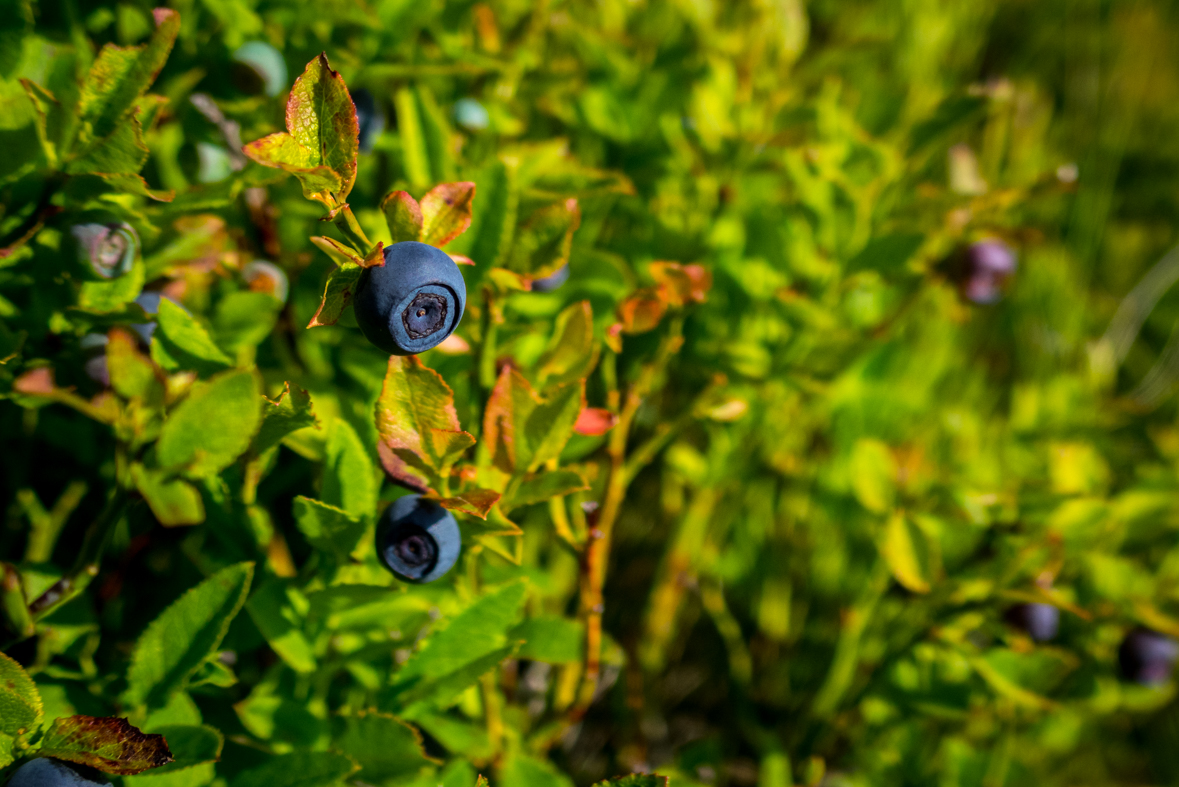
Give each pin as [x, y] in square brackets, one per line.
[106, 249]
[263, 276]
[48, 772]
[553, 280]
[418, 540]
[369, 118]
[1040, 621]
[1147, 656]
[988, 266]
[412, 302]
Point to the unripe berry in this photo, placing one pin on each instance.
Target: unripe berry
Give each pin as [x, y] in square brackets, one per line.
[988, 266]
[412, 302]
[261, 63]
[48, 772]
[553, 280]
[106, 249]
[263, 276]
[471, 115]
[1147, 657]
[417, 539]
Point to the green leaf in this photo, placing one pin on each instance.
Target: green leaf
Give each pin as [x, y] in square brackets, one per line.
[337, 294]
[543, 486]
[213, 426]
[420, 695]
[384, 746]
[494, 217]
[415, 158]
[550, 638]
[290, 412]
[16, 22]
[181, 343]
[245, 319]
[477, 630]
[301, 769]
[111, 745]
[873, 474]
[272, 718]
[525, 431]
[190, 744]
[635, 780]
[571, 353]
[545, 240]
[179, 641]
[522, 770]
[20, 703]
[120, 76]
[905, 549]
[274, 610]
[132, 374]
[122, 153]
[321, 141]
[348, 480]
[458, 736]
[109, 295]
[446, 212]
[403, 214]
[173, 501]
[327, 528]
[418, 426]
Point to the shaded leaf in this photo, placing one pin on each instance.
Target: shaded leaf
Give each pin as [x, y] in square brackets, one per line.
[570, 354]
[544, 241]
[301, 769]
[337, 294]
[20, 702]
[213, 426]
[272, 607]
[348, 481]
[551, 639]
[180, 342]
[173, 501]
[132, 374]
[179, 641]
[384, 746]
[326, 527]
[290, 412]
[190, 744]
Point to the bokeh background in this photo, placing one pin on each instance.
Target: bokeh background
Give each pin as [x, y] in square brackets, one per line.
[820, 571]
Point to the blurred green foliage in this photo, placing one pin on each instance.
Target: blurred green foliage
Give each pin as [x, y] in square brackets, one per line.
[811, 479]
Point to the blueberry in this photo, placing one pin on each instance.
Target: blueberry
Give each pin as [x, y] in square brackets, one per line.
[552, 281]
[48, 772]
[106, 249]
[150, 301]
[369, 118]
[418, 540]
[1147, 656]
[471, 115]
[263, 64]
[987, 267]
[93, 346]
[1040, 621]
[412, 302]
[263, 276]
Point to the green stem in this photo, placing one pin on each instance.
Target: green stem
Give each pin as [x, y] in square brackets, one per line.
[86, 566]
[487, 352]
[346, 222]
[15, 606]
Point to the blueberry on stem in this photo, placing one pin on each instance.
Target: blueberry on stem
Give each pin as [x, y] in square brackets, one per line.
[417, 539]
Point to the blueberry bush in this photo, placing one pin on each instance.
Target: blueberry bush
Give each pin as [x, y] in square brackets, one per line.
[538, 393]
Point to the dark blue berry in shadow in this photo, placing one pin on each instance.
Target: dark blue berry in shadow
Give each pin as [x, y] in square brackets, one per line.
[418, 540]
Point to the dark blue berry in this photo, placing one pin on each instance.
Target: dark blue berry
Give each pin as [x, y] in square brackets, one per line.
[1147, 657]
[369, 118]
[412, 302]
[48, 772]
[418, 540]
[553, 280]
[1040, 621]
[105, 249]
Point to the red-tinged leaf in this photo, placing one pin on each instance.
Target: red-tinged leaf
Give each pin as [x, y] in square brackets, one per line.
[375, 258]
[594, 421]
[403, 214]
[337, 294]
[322, 118]
[415, 406]
[37, 382]
[681, 284]
[321, 141]
[545, 240]
[614, 337]
[571, 352]
[454, 345]
[476, 502]
[642, 311]
[109, 744]
[446, 212]
[523, 430]
[460, 259]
